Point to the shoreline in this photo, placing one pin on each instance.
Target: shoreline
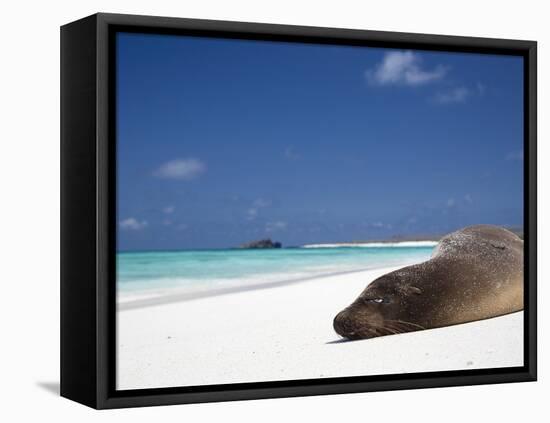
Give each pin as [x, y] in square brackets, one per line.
[127, 300]
[174, 296]
[374, 244]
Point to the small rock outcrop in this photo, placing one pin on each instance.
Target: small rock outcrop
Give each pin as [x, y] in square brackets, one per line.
[262, 243]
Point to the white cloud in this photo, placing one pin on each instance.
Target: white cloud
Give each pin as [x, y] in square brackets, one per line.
[403, 68]
[291, 154]
[377, 225]
[515, 155]
[451, 202]
[132, 224]
[480, 88]
[455, 95]
[168, 209]
[184, 169]
[260, 202]
[166, 222]
[251, 213]
[468, 198]
[182, 227]
[257, 204]
[275, 226]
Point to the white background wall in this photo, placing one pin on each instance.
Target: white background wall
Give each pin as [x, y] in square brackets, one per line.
[29, 236]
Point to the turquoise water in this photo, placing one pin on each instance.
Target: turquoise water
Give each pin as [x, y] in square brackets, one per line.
[203, 270]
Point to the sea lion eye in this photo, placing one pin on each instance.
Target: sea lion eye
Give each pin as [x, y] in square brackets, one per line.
[378, 300]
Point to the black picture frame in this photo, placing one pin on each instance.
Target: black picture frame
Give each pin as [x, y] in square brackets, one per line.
[88, 214]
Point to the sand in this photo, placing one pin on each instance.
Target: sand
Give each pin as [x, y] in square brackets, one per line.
[284, 332]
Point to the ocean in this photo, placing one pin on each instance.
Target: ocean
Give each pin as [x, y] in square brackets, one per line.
[144, 274]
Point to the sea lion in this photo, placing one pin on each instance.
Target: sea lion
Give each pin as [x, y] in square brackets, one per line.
[474, 273]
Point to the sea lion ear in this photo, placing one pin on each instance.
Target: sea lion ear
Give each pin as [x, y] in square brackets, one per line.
[410, 289]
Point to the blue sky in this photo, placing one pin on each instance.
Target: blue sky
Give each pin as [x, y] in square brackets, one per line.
[225, 141]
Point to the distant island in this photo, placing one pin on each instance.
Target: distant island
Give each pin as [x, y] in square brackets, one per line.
[420, 243]
[261, 243]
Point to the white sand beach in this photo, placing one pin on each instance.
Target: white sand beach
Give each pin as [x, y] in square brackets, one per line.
[285, 332]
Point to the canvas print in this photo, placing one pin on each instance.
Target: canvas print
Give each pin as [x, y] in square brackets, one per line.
[291, 211]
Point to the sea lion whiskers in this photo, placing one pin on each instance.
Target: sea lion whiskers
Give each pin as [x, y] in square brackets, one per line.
[390, 330]
[402, 322]
[376, 330]
[395, 327]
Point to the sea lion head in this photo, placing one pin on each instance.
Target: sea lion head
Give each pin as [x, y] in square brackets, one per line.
[385, 307]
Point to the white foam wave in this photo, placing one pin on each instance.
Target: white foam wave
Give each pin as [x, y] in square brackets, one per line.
[374, 244]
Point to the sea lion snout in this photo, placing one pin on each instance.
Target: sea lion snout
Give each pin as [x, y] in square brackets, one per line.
[342, 323]
[349, 324]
